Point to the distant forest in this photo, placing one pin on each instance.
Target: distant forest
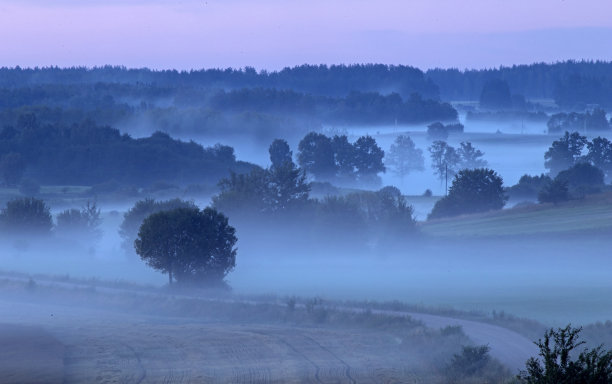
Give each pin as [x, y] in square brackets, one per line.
[80, 125]
[572, 84]
[569, 82]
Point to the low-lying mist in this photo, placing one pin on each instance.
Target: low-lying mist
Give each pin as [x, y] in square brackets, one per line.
[555, 279]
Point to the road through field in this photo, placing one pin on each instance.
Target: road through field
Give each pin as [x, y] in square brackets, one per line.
[99, 345]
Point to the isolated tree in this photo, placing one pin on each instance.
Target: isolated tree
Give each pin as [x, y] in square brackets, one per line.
[280, 153]
[81, 222]
[560, 361]
[12, 167]
[26, 216]
[600, 154]
[472, 191]
[190, 245]
[368, 158]
[444, 160]
[134, 217]
[404, 157]
[316, 156]
[471, 157]
[565, 152]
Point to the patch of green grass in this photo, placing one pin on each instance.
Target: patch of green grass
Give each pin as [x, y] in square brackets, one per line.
[592, 214]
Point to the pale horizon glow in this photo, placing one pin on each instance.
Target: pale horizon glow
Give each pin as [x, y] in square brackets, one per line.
[272, 34]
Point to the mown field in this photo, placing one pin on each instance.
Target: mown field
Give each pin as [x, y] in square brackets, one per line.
[591, 215]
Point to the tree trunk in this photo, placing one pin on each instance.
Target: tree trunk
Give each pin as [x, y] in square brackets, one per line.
[170, 275]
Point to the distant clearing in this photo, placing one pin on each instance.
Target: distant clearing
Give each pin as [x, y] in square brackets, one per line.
[590, 215]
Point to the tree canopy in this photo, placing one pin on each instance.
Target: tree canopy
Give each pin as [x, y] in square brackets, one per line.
[472, 191]
[26, 216]
[190, 245]
[564, 152]
[560, 362]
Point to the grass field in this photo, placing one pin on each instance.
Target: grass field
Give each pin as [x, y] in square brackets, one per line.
[590, 215]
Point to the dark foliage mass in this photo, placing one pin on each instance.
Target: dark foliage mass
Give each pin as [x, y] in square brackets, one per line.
[528, 187]
[336, 159]
[88, 154]
[191, 245]
[439, 131]
[588, 122]
[354, 108]
[335, 80]
[496, 95]
[277, 198]
[572, 84]
[568, 151]
[564, 152]
[560, 362]
[214, 103]
[472, 191]
[133, 218]
[26, 216]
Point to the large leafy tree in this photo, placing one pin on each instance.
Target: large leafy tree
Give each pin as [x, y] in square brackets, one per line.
[404, 157]
[368, 158]
[190, 245]
[316, 156]
[26, 215]
[472, 191]
[565, 152]
[600, 154]
[559, 361]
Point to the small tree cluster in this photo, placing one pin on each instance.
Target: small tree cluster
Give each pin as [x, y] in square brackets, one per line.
[446, 160]
[336, 158]
[26, 216]
[279, 188]
[439, 131]
[84, 222]
[569, 150]
[594, 121]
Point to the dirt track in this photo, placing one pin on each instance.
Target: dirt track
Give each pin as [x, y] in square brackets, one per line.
[101, 346]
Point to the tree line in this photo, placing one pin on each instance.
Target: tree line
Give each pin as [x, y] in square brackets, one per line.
[88, 154]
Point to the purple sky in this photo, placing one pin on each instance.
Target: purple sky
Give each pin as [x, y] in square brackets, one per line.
[271, 34]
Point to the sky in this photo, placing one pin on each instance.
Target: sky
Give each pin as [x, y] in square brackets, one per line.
[272, 34]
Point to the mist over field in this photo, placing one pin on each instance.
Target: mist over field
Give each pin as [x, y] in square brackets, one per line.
[352, 223]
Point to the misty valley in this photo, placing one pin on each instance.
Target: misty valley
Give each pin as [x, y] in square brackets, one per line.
[347, 223]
